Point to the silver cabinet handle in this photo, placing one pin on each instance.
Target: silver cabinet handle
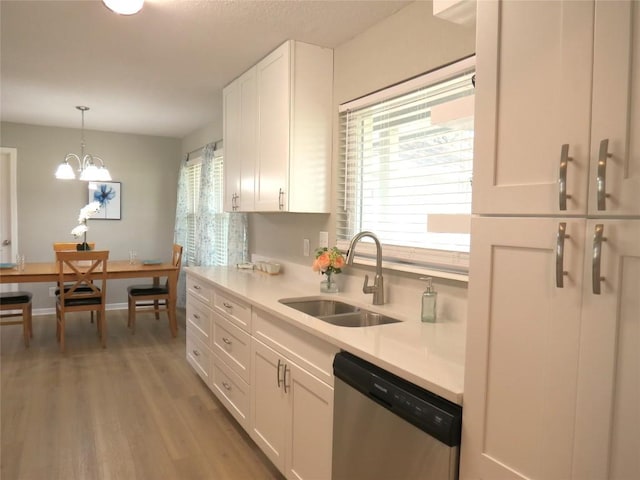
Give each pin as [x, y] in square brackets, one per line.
[234, 201]
[562, 176]
[598, 238]
[280, 199]
[196, 353]
[226, 340]
[196, 316]
[197, 287]
[280, 365]
[284, 378]
[227, 305]
[560, 272]
[601, 176]
[226, 386]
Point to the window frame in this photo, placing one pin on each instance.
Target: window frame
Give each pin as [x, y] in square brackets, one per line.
[449, 264]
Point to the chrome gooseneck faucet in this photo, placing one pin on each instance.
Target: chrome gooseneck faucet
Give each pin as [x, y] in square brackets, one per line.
[378, 283]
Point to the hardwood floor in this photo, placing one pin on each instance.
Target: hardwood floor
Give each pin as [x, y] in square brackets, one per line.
[135, 410]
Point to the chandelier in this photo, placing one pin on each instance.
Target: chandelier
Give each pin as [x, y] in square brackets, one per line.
[87, 167]
[124, 7]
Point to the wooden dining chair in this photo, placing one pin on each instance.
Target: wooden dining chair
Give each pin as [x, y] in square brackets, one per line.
[70, 247]
[152, 297]
[87, 289]
[17, 301]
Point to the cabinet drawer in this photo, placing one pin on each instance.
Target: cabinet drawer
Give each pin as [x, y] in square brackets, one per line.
[234, 309]
[199, 320]
[232, 391]
[200, 290]
[308, 351]
[200, 358]
[232, 345]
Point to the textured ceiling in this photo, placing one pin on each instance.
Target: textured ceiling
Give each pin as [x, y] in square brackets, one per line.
[160, 72]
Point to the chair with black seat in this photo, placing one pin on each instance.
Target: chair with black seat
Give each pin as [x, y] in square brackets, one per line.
[17, 301]
[70, 247]
[86, 292]
[152, 297]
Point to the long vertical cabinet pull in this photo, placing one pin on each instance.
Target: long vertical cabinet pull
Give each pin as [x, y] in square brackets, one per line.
[598, 238]
[601, 176]
[280, 199]
[284, 377]
[562, 176]
[560, 271]
[280, 365]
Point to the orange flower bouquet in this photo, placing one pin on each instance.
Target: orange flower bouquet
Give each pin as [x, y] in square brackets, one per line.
[328, 261]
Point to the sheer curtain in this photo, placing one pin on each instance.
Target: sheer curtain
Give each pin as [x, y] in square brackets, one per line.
[219, 238]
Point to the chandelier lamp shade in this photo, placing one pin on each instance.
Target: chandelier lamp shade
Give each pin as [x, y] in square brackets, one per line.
[90, 167]
[124, 7]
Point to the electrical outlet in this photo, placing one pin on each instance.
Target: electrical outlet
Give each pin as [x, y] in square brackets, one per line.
[323, 239]
[52, 291]
[305, 247]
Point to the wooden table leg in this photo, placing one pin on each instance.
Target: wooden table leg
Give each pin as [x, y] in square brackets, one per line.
[173, 288]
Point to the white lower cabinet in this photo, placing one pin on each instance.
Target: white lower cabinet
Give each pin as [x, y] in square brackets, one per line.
[552, 374]
[232, 391]
[276, 380]
[200, 358]
[292, 415]
[199, 331]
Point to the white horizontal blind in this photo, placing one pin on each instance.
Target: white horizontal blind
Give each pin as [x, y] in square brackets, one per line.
[398, 167]
[221, 218]
[194, 169]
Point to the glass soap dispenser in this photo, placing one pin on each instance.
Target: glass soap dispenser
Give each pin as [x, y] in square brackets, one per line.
[429, 297]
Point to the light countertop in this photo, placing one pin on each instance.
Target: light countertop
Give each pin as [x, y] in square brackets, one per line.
[428, 355]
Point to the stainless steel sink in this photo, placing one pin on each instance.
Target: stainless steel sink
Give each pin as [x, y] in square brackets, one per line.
[319, 307]
[363, 318]
[337, 313]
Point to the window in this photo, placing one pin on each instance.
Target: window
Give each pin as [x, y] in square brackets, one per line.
[194, 168]
[405, 171]
[197, 211]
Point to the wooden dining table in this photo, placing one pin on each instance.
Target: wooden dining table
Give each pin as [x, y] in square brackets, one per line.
[116, 269]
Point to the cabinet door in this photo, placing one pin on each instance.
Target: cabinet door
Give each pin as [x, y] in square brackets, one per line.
[608, 409]
[232, 139]
[274, 91]
[616, 110]
[310, 425]
[248, 138]
[268, 403]
[533, 96]
[522, 349]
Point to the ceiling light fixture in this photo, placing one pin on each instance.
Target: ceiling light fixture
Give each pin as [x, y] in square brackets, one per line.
[87, 167]
[124, 7]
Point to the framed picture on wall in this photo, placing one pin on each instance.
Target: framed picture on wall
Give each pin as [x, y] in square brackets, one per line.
[109, 194]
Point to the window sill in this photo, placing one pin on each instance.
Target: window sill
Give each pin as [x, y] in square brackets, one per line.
[417, 269]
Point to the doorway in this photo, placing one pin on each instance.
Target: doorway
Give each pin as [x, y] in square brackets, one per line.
[8, 208]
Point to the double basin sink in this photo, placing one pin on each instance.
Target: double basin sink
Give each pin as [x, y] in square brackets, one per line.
[337, 313]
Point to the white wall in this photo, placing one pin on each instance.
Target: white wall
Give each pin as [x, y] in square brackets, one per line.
[48, 208]
[201, 137]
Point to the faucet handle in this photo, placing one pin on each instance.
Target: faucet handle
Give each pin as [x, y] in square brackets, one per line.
[366, 288]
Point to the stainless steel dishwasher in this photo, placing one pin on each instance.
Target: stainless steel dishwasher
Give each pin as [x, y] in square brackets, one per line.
[389, 429]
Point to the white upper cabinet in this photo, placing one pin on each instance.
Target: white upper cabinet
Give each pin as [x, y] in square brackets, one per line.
[550, 89]
[240, 137]
[614, 176]
[289, 141]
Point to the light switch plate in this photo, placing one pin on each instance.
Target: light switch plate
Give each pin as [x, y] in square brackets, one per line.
[323, 239]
